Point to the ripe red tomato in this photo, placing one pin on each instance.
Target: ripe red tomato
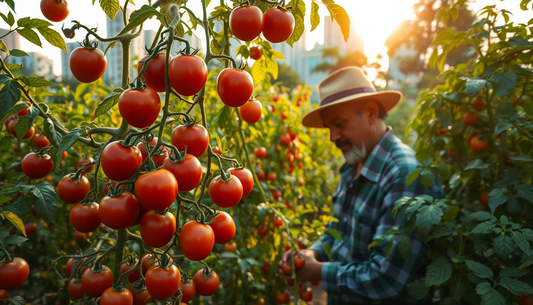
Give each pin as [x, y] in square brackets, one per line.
[278, 222]
[30, 228]
[315, 283]
[119, 212]
[140, 297]
[260, 152]
[196, 240]
[278, 25]
[194, 139]
[478, 104]
[75, 289]
[235, 87]
[272, 176]
[276, 194]
[225, 194]
[306, 294]
[64, 155]
[70, 265]
[87, 65]
[112, 297]
[478, 145]
[54, 10]
[299, 261]
[275, 98]
[71, 191]
[525, 300]
[81, 236]
[157, 230]
[95, 283]
[260, 175]
[13, 274]
[159, 159]
[484, 198]
[206, 286]
[443, 131]
[85, 218]
[470, 119]
[119, 163]
[230, 247]
[217, 150]
[285, 139]
[246, 22]
[300, 244]
[452, 153]
[255, 53]
[133, 276]
[40, 141]
[82, 161]
[154, 75]
[188, 290]
[156, 190]
[283, 297]
[224, 228]
[262, 231]
[245, 177]
[187, 74]
[8, 120]
[188, 172]
[162, 284]
[287, 268]
[140, 108]
[37, 167]
[251, 111]
[266, 268]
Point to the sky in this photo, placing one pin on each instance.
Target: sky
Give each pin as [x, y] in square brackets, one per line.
[374, 20]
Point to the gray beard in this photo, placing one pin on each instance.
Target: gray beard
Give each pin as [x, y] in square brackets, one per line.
[355, 155]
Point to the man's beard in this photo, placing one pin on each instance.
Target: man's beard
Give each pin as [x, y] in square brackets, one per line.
[353, 155]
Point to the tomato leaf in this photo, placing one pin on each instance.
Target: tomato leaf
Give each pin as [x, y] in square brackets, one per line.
[515, 286]
[315, 18]
[107, 104]
[4, 48]
[484, 228]
[30, 35]
[44, 198]
[417, 289]
[482, 216]
[438, 272]
[427, 216]
[14, 240]
[521, 241]
[33, 81]
[10, 3]
[3, 233]
[15, 109]
[489, 296]
[68, 139]
[53, 38]
[22, 126]
[334, 233]
[33, 23]
[110, 46]
[110, 7]
[512, 272]
[504, 83]
[228, 255]
[20, 207]
[405, 245]
[15, 221]
[259, 71]
[473, 85]
[9, 94]
[138, 17]
[298, 11]
[497, 197]
[503, 246]
[18, 53]
[50, 132]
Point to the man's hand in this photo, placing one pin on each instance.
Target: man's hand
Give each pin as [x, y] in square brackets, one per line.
[312, 271]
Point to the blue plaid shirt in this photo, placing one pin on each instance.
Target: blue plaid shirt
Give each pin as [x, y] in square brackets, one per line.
[354, 274]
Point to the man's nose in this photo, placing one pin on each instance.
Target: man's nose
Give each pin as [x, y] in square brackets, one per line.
[333, 135]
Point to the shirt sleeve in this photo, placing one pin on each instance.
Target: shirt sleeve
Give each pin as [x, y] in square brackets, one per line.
[380, 278]
[327, 240]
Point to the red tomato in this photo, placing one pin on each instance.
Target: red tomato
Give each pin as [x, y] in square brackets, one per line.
[85, 218]
[187, 74]
[276, 194]
[154, 75]
[30, 228]
[71, 191]
[70, 265]
[278, 25]
[230, 247]
[285, 139]
[134, 276]
[188, 172]
[283, 297]
[224, 228]
[196, 240]
[287, 268]
[157, 230]
[119, 163]
[484, 198]
[315, 283]
[75, 289]
[156, 190]
[54, 10]
[82, 161]
[217, 150]
[234, 87]
[159, 159]
[470, 119]
[112, 297]
[245, 177]
[452, 153]
[275, 98]
[188, 290]
[251, 111]
[95, 283]
[525, 300]
[37, 167]
[8, 120]
[260, 175]
[287, 247]
[119, 212]
[11, 129]
[478, 104]
[162, 284]
[206, 286]
[272, 176]
[246, 22]
[81, 236]
[225, 194]
[260, 152]
[13, 274]
[87, 65]
[300, 244]
[255, 53]
[478, 144]
[278, 222]
[262, 231]
[266, 268]
[140, 108]
[140, 297]
[306, 294]
[40, 141]
[299, 261]
[194, 139]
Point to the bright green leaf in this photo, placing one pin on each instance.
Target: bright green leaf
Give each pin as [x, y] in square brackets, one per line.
[479, 269]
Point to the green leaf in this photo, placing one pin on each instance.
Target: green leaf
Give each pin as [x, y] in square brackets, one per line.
[438, 272]
[457, 290]
[17, 300]
[18, 53]
[326, 249]
[501, 127]
[405, 244]
[484, 228]
[417, 289]
[228, 255]
[21, 206]
[528, 108]
[427, 216]
[15, 109]
[33, 81]
[69, 139]
[503, 246]
[512, 272]
[14, 240]
[3, 234]
[479, 269]
[528, 234]
[30, 35]
[489, 296]
[33, 23]
[315, 18]
[515, 286]
[10, 20]
[110, 7]
[50, 132]
[444, 37]
[476, 164]
[473, 85]
[504, 83]
[23, 126]
[138, 17]
[13, 67]
[53, 38]
[107, 104]
[497, 197]
[44, 199]
[375, 243]
[298, 11]
[521, 241]
[9, 95]
[411, 177]
[525, 191]
[333, 233]
[427, 177]
[482, 216]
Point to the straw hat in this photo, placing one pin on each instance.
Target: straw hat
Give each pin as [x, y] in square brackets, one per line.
[348, 85]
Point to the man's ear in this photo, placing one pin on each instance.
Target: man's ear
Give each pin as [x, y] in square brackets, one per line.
[372, 110]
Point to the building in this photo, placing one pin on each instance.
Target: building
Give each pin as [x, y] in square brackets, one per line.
[35, 64]
[12, 41]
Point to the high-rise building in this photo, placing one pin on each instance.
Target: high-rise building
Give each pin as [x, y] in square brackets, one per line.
[12, 41]
[35, 64]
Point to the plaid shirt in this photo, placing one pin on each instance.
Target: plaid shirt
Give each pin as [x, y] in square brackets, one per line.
[354, 274]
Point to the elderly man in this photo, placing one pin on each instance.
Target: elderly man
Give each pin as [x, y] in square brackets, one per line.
[372, 179]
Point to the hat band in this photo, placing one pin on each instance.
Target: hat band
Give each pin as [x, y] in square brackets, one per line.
[343, 94]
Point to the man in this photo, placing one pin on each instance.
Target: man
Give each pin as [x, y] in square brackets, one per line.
[372, 179]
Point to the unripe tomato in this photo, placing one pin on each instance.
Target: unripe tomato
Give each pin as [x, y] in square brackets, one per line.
[283, 297]
[119, 163]
[156, 190]
[245, 177]
[196, 240]
[223, 227]
[260, 152]
[187, 74]
[133, 276]
[85, 218]
[306, 294]
[188, 172]
[71, 191]
[230, 247]
[162, 284]
[194, 139]
[234, 87]
[188, 290]
[246, 22]
[478, 145]
[13, 274]
[54, 10]
[225, 194]
[119, 212]
[40, 141]
[154, 75]
[87, 65]
[278, 25]
[95, 283]
[206, 286]
[140, 297]
[470, 119]
[82, 161]
[251, 111]
[157, 230]
[75, 289]
[37, 167]
[140, 108]
[112, 297]
[255, 53]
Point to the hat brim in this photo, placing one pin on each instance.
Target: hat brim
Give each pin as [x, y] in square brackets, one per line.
[387, 98]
